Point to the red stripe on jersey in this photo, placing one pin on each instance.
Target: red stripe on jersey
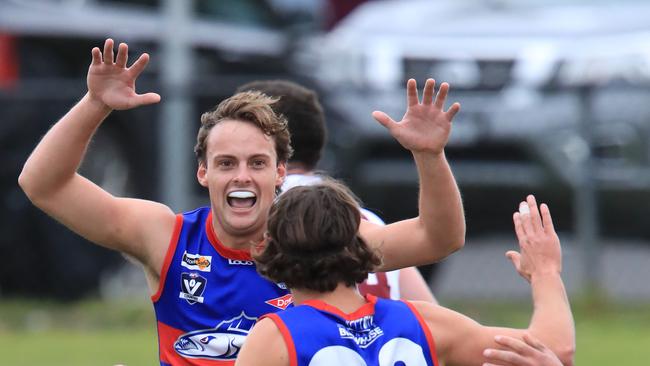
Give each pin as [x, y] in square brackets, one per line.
[286, 335]
[171, 249]
[427, 332]
[365, 310]
[167, 336]
[225, 252]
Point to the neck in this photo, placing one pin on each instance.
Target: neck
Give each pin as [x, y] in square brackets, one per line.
[347, 299]
[237, 241]
[298, 168]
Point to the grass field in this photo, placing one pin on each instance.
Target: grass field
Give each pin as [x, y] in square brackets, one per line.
[95, 333]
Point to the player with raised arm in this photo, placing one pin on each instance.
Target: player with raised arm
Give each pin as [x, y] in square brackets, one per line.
[321, 257]
[306, 120]
[205, 290]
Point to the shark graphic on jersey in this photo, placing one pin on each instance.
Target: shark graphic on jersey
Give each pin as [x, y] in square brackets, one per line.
[219, 343]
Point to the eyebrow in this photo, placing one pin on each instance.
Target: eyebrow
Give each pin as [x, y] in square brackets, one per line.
[230, 156]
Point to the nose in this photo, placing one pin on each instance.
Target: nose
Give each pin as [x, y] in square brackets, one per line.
[243, 175]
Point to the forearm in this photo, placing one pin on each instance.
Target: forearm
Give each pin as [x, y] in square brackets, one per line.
[552, 320]
[440, 206]
[57, 157]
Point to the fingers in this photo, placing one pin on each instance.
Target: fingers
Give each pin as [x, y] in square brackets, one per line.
[514, 344]
[455, 108]
[122, 55]
[139, 65]
[515, 258]
[534, 342]
[97, 56]
[108, 51]
[148, 98]
[384, 119]
[429, 86]
[535, 218]
[519, 227]
[525, 219]
[547, 220]
[442, 95]
[505, 356]
[412, 93]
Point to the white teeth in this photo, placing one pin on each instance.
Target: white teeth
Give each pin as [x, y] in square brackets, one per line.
[241, 194]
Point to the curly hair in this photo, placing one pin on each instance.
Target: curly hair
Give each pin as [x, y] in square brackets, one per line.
[313, 241]
[252, 107]
[304, 114]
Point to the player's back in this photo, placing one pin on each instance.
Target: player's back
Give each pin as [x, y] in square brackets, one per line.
[382, 332]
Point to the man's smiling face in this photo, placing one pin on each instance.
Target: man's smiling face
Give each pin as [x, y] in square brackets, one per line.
[241, 173]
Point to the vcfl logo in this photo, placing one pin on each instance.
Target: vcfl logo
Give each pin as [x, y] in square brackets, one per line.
[281, 302]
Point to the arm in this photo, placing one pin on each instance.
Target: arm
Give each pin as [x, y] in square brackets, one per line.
[264, 346]
[529, 352]
[540, 262]
[439, 228]
[50, 179]
[413, 287]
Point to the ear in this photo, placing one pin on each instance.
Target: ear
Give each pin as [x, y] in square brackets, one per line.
[201, 174]
[282, 173]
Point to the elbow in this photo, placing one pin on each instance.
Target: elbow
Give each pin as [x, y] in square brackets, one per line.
[457, 241]
[27, 183]
[455, 245]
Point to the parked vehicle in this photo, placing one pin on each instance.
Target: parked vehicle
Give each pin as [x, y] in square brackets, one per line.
[554, 101]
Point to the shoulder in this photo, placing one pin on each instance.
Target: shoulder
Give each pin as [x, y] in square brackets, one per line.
[265, 345]
[371, 216]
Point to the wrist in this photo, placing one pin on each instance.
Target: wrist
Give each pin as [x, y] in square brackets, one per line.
[429, 154]
[96, 103]
[549, 274]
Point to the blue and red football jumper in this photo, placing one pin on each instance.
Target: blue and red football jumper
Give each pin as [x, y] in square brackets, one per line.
[209, 296]
[380, 333]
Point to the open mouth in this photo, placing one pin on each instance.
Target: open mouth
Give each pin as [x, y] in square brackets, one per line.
[241, 199]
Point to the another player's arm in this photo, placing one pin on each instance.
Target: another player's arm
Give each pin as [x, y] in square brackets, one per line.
[540, 263]
[264, 346]
[412, 286]
[50, 178]
[439, 229]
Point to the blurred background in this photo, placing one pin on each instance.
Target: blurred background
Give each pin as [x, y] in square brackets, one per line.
[555, 101]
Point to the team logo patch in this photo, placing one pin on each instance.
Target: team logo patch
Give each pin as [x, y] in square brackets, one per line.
[197, 262]
[219, 343]
[192, 287]
[281, 302]
[362, 331]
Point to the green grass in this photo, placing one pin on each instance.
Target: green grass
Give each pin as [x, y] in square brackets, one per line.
[79, 347]
[606, 334]
[85, 333]
[95, 333]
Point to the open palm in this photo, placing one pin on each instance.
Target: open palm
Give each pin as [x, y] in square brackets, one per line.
[111, 82]
[425, 126]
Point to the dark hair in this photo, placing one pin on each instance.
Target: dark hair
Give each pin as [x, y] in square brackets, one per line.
[305, 116]
[313, 240]
[252, 107]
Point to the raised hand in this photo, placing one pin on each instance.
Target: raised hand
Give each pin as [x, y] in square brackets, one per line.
[539, 244]
[112, 83]
[515, 352]
[425, 126]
